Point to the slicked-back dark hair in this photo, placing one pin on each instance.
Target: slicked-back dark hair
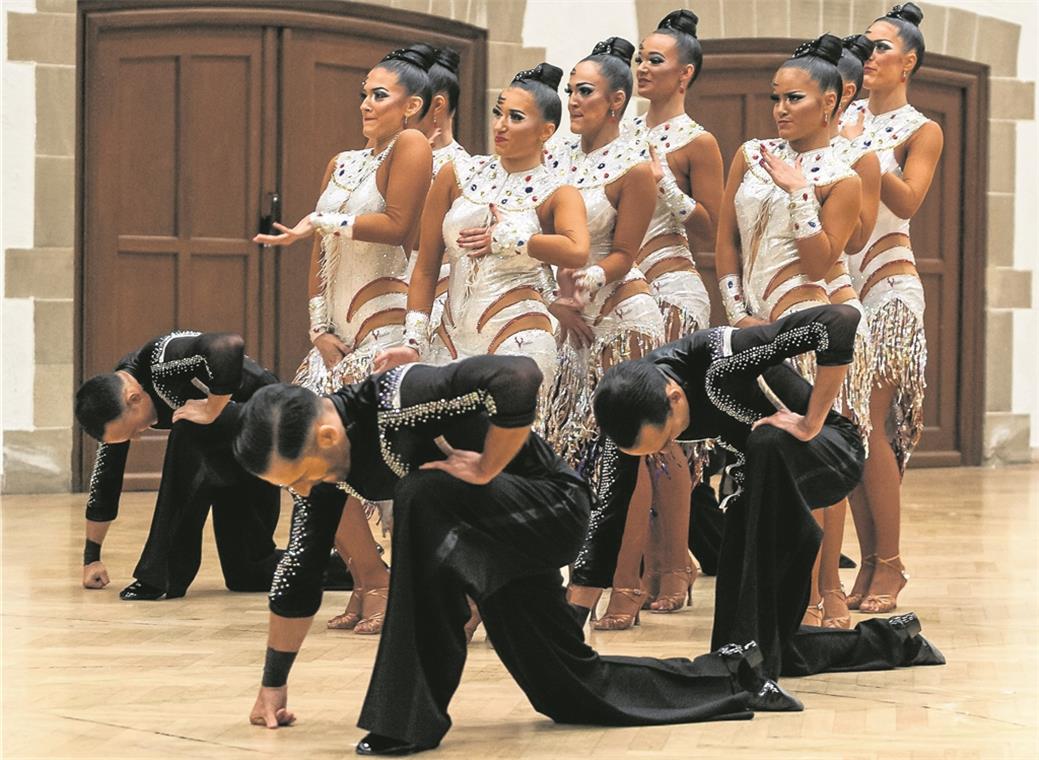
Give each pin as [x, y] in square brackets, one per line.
[906, 19]
[819, 58]
[613, 58]
[411, 65]
[858, 48]
[276, 420]
[681, 27]
[542, 82]
[443, 76]
[631, 394]
[99, 401]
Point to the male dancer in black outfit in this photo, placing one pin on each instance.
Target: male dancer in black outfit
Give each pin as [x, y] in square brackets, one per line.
[482, 506]
[792, 453]
[183, 382]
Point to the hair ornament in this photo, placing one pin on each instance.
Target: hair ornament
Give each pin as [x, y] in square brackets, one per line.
[681, 21]
[618, 47]
[827, 47]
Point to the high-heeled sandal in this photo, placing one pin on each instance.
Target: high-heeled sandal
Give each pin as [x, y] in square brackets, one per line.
[629, 598]
[650, 587]
[879, 603]
[855, 598]
[813, 615]
[674, 601]
[835, 621]
[372, 623]
[351, 616]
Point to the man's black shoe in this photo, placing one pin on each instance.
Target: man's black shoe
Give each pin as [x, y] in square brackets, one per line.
[139, 591]
[771, 697]
[376, 744]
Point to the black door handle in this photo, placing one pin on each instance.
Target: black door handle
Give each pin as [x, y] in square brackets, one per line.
[273, 214]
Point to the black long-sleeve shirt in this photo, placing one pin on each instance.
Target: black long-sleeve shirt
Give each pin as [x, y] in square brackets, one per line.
[392, 421]
[172, 369]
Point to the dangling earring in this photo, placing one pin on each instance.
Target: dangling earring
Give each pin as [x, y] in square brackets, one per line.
[903, 76]
[612, 114]
[405, 121]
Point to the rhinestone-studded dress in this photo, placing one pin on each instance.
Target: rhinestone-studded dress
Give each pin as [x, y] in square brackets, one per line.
[356, 276]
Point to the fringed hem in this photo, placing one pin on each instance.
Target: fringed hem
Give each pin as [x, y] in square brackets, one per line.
[570, 426]
[677, 316]
[315, 375]
[900, 360]
[858, 386]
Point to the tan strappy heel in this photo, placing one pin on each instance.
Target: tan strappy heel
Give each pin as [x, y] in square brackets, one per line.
[674, 601]
[855, 598]
[878, 603]
[813, 615]
[629, 600]
[372, 622]
[351, 616]
[835, 621]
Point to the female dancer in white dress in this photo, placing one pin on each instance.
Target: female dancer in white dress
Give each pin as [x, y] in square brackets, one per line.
[791, 205]
[367, 217]
[908, 145]
[609, 313]
[687, 166]
[828, 605]
[500, 221]
[439, 126]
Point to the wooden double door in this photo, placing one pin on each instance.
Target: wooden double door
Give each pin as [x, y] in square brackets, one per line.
[197, 122]
[732, 100]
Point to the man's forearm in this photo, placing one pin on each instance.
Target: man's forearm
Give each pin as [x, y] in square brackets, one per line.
[500, 447]
[828, 382]
[96, 531]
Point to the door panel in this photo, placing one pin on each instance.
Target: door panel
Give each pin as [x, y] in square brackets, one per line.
[732, 101]
[191, 117]
[172, 171]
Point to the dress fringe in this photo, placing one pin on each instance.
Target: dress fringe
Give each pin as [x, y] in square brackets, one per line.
[900, 360]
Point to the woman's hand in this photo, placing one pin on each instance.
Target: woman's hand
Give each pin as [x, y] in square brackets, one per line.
[394, 357]
[795, 424]
[477, 240]
[786, 176]
[303, 229]
[655, 166]
[853, 130]
[571, 323]
[332, 349]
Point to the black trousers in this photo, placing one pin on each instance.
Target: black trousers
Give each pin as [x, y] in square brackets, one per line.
[502, 544]
[873, 644]
[771, 538]
[199, 472]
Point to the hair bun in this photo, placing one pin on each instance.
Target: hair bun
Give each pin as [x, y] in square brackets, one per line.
[681, 21]
[420, 54]
[828, 47]
[907, 12]
[448, 58]
[544, 72]
[860, 46]
[618, 47]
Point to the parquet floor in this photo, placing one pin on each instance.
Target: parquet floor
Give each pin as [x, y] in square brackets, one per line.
[86, 675]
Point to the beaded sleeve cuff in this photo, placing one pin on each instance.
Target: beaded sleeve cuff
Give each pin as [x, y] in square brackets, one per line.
[416, 331]
[319, 321]
[331, 223]
[680, 204]
[507, 240]
[804, 213]
[735, 304]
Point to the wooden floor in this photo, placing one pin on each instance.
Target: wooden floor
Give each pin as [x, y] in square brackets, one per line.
[86, 675]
